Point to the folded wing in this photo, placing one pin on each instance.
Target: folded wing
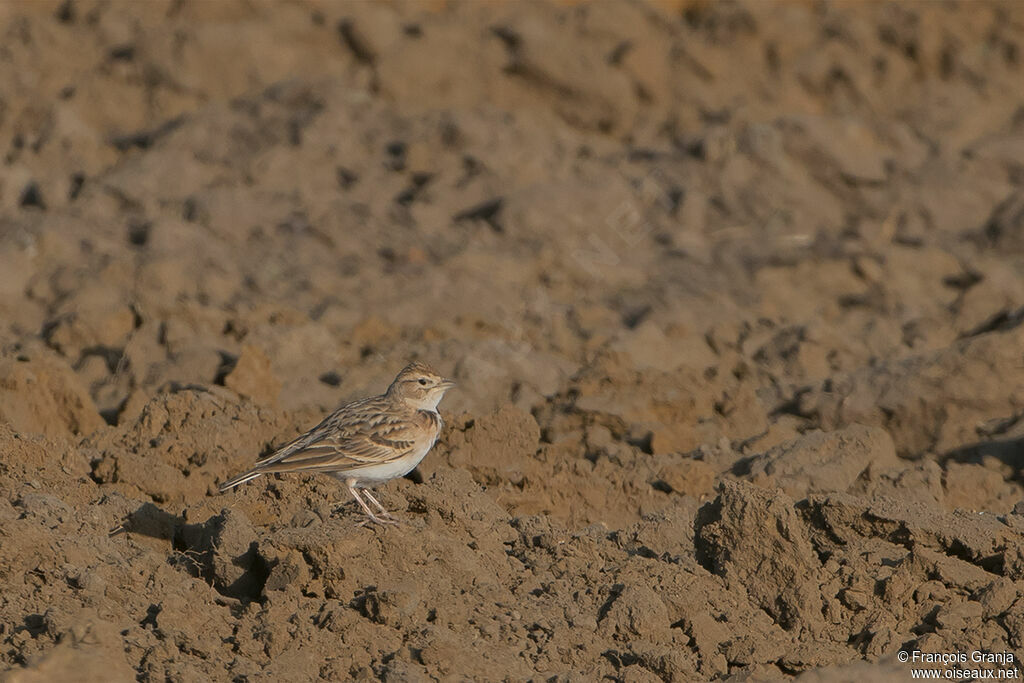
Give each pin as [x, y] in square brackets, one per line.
[341, 442]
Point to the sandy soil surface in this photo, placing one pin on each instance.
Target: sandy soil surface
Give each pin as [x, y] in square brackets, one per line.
[733, 293]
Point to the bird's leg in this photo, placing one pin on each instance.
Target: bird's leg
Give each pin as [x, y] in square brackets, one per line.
[383, 512]
[366, 508]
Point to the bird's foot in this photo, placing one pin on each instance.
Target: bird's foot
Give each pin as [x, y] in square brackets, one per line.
[370, 516]
[374, 519]
[376, 503]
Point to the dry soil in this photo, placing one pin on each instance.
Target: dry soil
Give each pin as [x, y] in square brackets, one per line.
[733, 293]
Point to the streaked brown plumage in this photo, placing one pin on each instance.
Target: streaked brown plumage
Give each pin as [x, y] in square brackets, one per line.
[367, 442]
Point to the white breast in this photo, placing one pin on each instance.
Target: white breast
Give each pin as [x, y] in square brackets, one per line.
[372, 475]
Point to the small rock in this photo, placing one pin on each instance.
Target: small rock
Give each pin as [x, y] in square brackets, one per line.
[959, 615]
[824, 461]
[253, 378]
[229, 555]
[688, 476]
[781, 571]
[289, 570]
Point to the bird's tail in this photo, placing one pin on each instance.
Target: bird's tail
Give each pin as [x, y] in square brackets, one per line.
[240, 479]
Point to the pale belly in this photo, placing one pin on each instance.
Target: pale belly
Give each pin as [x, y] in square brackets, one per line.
[372, 475]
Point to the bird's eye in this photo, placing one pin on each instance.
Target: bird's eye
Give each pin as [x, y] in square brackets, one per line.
[423, 382]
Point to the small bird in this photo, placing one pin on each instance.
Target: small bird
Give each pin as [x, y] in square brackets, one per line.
[367, 442]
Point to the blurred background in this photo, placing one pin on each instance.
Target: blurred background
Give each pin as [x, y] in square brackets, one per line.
[504, 188]
[652, 241]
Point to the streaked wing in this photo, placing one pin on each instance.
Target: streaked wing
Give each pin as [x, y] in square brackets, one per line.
[356, 435]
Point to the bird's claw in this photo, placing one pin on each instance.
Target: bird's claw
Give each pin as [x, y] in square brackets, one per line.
[374, 519]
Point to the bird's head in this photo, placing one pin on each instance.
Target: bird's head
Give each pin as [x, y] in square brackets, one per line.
[419, 386]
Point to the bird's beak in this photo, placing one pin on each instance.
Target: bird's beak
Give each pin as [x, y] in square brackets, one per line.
[447, 383]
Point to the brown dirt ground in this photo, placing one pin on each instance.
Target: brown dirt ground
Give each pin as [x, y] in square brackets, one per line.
[733, 293]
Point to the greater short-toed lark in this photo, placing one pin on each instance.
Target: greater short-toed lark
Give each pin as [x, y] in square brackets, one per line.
[367, 442]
